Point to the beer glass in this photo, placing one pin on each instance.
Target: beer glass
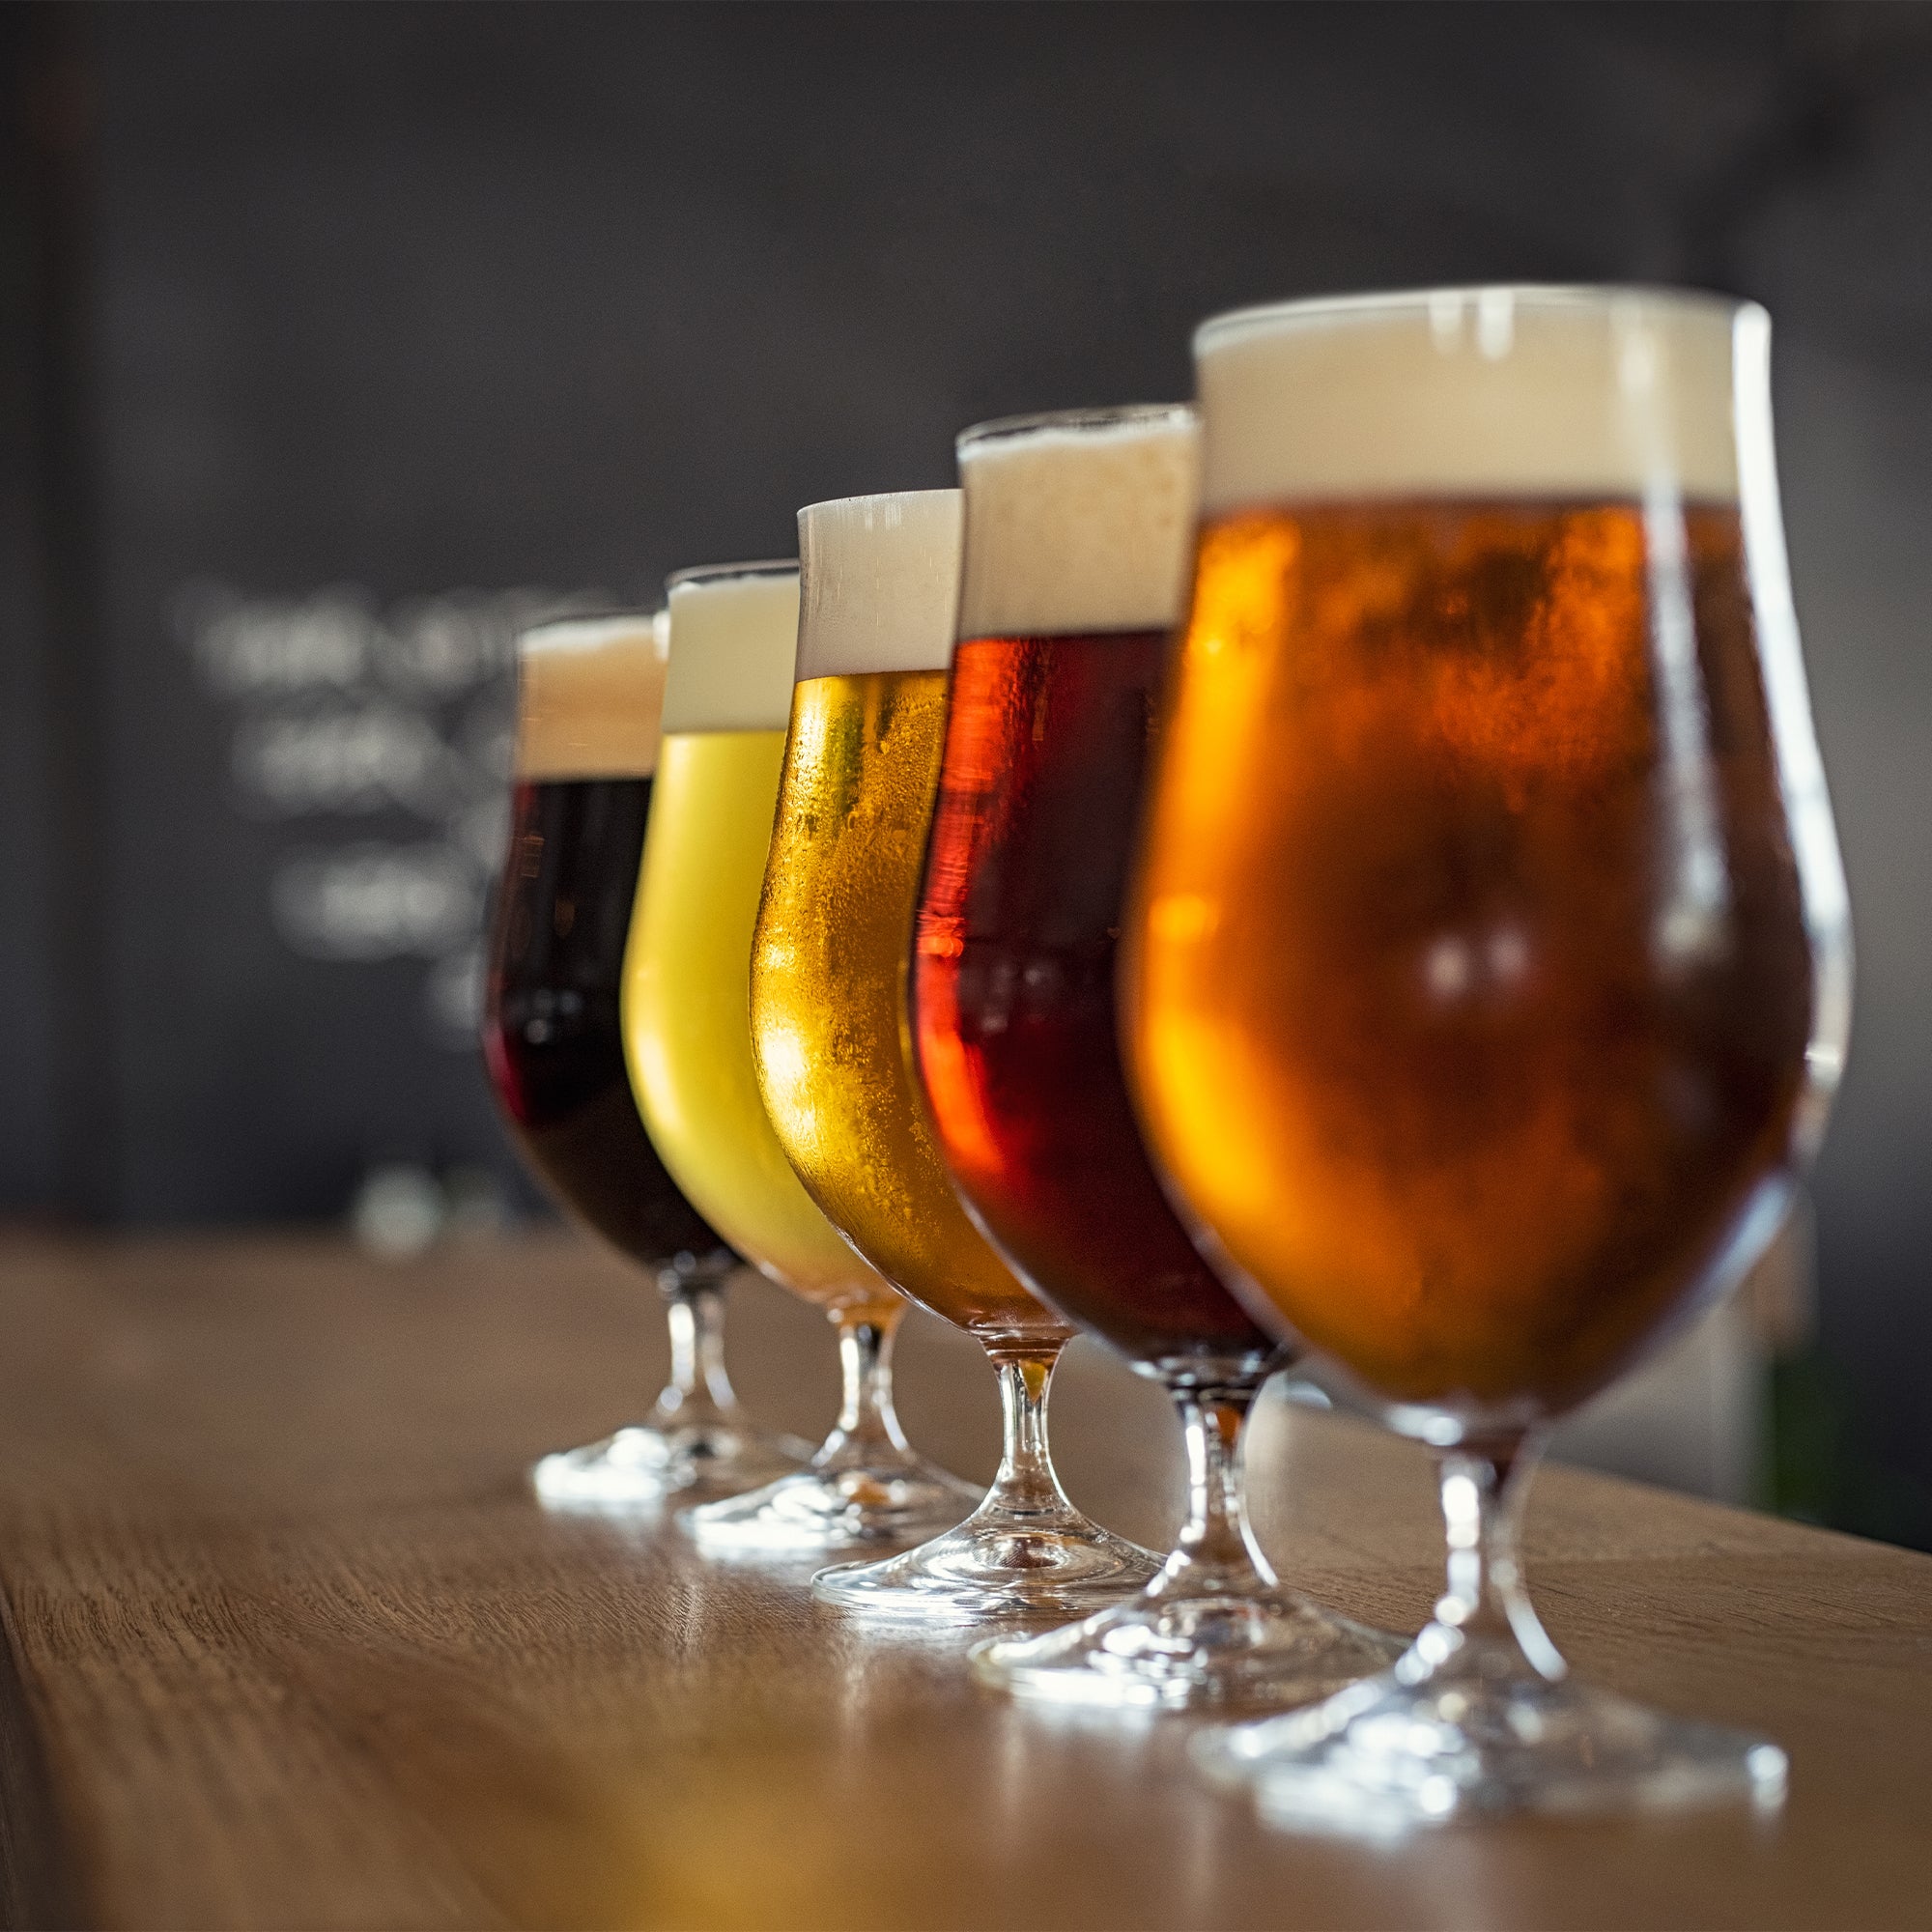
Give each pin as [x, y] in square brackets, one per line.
[880, 587]
[1079, 537]
[588, 695]
[687, 1034]
[1490, 970]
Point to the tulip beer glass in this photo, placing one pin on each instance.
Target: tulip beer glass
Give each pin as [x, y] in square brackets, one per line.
[1489, 972]
[687, 1032]
[1079, 539]
[880, 587]
[590, 690]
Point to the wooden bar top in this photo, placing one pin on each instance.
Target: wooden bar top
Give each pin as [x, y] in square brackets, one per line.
[291, 1645]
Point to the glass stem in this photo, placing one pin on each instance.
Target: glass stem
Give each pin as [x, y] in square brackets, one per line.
[1484, 1617]
[1216, 1548]
[1026, 1485]
[867, 1426]
[695, 1311]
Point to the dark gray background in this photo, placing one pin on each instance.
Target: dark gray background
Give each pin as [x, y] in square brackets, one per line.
[423, 298]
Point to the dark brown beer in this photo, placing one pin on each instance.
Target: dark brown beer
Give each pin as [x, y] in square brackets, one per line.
[1473, 984]
[551, 1032]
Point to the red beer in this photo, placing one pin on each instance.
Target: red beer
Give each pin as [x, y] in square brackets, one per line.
[1046, 745]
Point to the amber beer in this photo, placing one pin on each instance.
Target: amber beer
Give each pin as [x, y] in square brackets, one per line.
[829, 962]
[589, 695]
[1474, 981]
[1065, 632]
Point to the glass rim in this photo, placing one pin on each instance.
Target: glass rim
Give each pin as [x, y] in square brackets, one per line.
[1100, 417]
[723, 573]
[601, 613]
[877, 496]
[1259, 317]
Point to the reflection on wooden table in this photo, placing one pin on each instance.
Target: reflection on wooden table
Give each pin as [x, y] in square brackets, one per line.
[293, 1646]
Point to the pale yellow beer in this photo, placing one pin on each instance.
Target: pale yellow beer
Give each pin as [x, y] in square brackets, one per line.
[686, 1001]
[827, 995]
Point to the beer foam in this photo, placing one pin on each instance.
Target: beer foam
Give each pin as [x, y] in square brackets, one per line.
[1472, 392]
[733, 639]
[589, 693]
[1078, 522]
[879, 582]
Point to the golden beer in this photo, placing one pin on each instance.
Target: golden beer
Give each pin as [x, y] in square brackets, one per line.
[881, 591]
[828, 994]
[687, 1015]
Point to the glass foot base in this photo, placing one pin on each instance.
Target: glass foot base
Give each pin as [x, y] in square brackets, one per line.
[1268, 1646]
[1408, 1749]
[836, 1508]
[641, 1467]
[995, 1565]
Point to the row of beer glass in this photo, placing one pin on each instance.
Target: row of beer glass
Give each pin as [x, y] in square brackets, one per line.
[1345, 868]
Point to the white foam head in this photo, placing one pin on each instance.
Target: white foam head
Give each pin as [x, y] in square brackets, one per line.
[1080, 521]
[879, 582]
[733, 637]
[589, 693]
[1561, 392]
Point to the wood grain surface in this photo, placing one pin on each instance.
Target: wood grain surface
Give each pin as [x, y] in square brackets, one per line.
[289, 1644]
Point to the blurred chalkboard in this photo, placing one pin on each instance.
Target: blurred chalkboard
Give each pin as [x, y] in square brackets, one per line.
[337, 336]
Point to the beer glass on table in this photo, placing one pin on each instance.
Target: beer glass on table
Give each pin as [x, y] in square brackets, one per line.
[880, 587]
[1079, 532]
[1490, 966]
[687, 1032]
[588, 695]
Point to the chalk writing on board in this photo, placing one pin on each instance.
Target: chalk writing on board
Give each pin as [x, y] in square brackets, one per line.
[346, 712]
